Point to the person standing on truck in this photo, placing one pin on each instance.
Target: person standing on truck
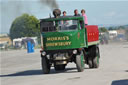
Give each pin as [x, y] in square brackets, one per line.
[85, 16]
[64, 13]
[76, 13]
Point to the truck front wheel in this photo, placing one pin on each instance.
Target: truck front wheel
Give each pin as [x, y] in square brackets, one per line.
[45, 65]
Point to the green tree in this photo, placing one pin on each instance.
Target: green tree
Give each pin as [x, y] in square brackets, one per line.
[103, 29]
[110, 28]
[24, 26]
[121, 27]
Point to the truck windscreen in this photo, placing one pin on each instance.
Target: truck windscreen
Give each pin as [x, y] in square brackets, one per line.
[59, 26]
[67, 25]
[47, 26]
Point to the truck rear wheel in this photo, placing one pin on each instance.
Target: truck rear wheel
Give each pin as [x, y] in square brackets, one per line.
[80, 62]
[90, 62]
[96, 58]
[93, 60]
[45, 65]
[59, 67]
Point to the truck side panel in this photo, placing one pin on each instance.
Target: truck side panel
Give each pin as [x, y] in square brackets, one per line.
[92, 34]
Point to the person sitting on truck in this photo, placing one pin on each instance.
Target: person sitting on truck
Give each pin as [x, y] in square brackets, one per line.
[76, 13]
[85, 16]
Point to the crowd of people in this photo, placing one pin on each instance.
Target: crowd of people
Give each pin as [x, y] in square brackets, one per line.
[76, 13]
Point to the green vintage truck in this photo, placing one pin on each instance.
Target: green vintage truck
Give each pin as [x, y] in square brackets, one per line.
[67, 39]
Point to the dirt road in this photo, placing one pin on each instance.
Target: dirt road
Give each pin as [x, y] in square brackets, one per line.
[20, 68]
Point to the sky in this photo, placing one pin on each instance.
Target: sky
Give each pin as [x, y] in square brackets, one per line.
[99, 12]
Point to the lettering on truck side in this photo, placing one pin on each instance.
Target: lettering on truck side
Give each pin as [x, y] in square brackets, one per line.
[57, 38]
[59, 44]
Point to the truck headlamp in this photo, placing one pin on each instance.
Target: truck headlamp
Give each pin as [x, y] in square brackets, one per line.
[74, 51]
[43, 53]
[48, 56]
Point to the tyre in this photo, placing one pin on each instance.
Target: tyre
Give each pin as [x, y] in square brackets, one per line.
[45, 65]
[90, 63]
[93, 59]
[80, 62]
[96, 58]
[59, 67]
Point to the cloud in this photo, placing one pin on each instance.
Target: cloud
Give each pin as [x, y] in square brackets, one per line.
[110, 14]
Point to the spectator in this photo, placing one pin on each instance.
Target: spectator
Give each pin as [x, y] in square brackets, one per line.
[85, 16]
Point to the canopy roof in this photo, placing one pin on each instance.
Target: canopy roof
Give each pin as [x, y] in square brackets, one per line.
[63, 18]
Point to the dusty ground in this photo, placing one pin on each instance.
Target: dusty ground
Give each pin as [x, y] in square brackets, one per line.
[20, 68]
